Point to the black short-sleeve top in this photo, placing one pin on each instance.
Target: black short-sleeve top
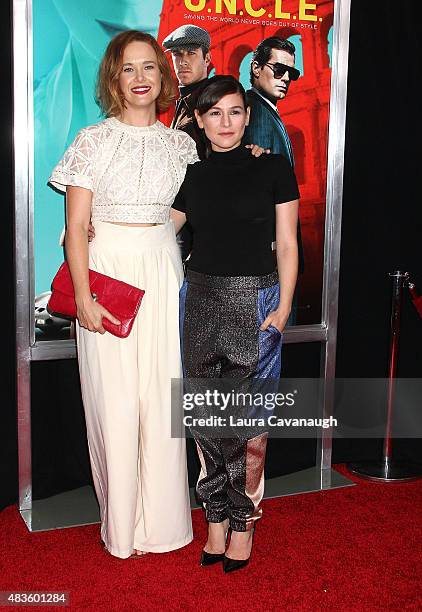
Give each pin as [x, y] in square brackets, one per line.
[229, 199]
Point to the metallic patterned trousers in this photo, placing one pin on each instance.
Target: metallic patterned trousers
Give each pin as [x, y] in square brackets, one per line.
[220, 319]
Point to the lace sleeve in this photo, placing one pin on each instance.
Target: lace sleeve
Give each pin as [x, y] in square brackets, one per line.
[187, 148]
[192, 156]
[76, 167]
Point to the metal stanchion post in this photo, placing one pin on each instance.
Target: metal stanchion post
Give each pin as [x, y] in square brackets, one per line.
[389, 470]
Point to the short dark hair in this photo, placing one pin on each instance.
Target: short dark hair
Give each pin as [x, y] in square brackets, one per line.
[262, 53]
[216, 88]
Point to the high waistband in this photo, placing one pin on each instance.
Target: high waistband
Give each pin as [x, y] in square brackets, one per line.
[232, 282]
[132, 236]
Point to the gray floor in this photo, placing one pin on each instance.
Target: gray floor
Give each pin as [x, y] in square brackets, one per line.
[79, 507]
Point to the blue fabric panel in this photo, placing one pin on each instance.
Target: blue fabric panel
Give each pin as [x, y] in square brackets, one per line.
[270, 340]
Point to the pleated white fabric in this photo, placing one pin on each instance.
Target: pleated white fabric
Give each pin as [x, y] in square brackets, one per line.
[139, 471]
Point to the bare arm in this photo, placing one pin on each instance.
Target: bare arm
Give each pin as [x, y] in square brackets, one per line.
[287, 262]
[78, 211]
[178, 218]
[78, 208]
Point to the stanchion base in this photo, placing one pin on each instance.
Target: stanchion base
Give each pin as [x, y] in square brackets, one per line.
[390, 471]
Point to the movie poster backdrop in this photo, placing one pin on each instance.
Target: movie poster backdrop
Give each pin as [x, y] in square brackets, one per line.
[69, 39]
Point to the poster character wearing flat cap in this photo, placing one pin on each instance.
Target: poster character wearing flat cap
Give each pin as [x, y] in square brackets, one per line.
[190, 50]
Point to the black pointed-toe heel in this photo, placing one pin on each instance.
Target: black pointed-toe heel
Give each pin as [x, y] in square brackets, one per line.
[231, 565]
[210, 558]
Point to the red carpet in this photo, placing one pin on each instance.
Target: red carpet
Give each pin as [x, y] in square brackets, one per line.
[352, 549]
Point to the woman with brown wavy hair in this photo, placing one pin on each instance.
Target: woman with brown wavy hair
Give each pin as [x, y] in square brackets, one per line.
[124, 173]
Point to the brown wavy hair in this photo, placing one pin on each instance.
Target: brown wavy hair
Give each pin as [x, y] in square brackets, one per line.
[108, 94]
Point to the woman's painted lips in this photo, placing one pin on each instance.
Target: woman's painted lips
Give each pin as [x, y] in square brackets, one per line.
[140, 91]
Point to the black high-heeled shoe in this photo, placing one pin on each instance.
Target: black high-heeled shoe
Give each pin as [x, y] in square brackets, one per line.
[212, 558]
[231, 565]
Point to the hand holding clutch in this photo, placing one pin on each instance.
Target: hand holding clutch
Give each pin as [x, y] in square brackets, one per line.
[91, 313]
[120, 299]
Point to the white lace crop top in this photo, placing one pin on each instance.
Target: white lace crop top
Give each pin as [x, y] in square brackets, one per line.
[133, 172]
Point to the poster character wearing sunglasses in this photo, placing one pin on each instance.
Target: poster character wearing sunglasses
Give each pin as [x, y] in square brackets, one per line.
[271, 72]
[279, 71]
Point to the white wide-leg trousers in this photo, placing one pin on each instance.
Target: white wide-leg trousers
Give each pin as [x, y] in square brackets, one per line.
[139, 471]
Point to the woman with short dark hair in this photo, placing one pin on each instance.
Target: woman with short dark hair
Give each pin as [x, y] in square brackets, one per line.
[124, 172]
[234, 303]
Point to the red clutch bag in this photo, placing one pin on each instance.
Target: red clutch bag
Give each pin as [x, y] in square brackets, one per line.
[119, 298]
